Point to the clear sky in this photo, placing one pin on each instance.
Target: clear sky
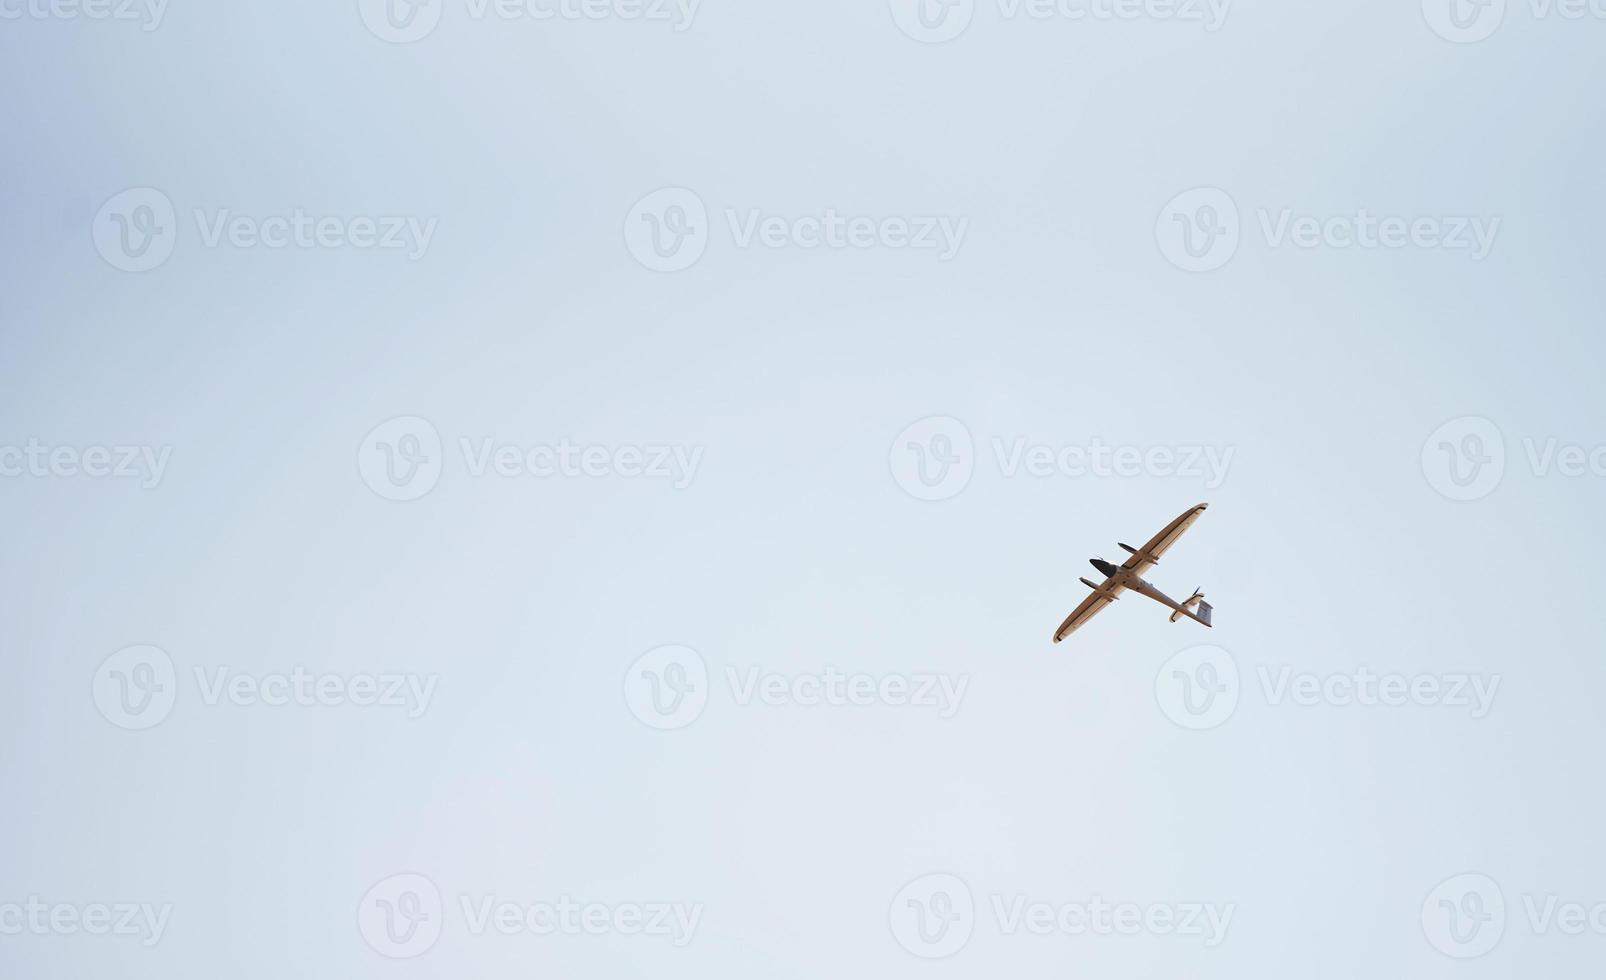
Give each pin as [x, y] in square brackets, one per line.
[464, 459]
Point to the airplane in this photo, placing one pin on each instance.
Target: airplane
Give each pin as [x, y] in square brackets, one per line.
[1127, 575]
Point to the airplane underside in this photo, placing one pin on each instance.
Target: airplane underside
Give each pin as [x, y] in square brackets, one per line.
[1178, 609]
[1128, 575]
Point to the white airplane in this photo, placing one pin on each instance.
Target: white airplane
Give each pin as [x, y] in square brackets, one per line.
[1119, 578]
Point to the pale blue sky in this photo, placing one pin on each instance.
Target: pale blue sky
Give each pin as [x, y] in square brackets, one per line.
[1060, 321]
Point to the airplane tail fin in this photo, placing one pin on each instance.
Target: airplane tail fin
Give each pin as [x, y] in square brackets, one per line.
[1195, 608]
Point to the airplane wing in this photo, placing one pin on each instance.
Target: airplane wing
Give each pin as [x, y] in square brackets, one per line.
[1151, 552]
[1096, 600]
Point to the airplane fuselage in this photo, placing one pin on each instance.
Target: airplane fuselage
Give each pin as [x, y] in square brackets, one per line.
[1124, 578]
